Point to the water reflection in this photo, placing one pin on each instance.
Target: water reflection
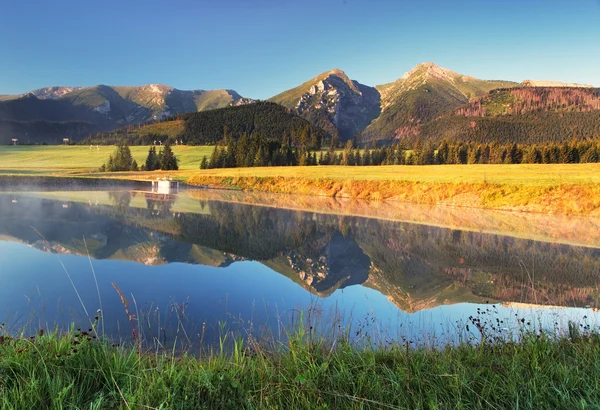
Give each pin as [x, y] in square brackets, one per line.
[234, 260]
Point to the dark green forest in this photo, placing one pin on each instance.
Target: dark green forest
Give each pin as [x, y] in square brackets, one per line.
[269, 121]
[255, 153]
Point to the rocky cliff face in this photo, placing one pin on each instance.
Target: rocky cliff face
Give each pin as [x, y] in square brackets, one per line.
[334, 102]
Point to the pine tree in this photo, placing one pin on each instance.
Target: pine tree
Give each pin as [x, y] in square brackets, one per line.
[443, 153]
[168, 159]
[152, 160]
[204, 163]
[122, 160]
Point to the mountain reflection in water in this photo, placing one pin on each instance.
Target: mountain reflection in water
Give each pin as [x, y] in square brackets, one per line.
[414, 265]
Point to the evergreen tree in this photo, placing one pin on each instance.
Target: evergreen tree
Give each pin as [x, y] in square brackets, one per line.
[427, 156]
[204, 163]
[514, 155]
[591, 155]
[347, 157]
[474, 155]
[168, 159]
[443, 153]
[122, 160]
[152, 163]
[366, 158]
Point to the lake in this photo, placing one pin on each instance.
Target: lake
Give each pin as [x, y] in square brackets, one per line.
[189, 268]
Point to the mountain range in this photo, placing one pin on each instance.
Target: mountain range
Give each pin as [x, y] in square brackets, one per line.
[53, 113]
[344, 108]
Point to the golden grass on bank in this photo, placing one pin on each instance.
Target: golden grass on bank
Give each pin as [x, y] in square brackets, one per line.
[571, 199]
[519, 174]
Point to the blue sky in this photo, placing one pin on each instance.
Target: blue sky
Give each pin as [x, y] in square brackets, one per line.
[262, 47]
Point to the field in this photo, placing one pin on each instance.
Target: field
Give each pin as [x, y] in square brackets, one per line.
[60, 159]
[45, 160]
[572, 189]
[521, 174]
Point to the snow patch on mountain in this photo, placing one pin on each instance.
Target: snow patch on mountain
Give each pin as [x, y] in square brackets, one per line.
[103, 108]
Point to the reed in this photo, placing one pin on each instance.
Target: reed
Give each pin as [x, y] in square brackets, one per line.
[74, 369]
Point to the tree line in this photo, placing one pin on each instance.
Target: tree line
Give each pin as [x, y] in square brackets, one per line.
[122, 160]
[252, 152]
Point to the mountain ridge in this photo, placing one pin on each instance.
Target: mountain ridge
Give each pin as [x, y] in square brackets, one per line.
[342, 107]
[52, 113]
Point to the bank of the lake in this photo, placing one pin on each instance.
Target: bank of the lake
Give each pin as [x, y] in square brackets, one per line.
[75, 370]
[555, 189]
[570, 189]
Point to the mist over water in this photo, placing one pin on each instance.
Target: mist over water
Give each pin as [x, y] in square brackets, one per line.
[207, 260]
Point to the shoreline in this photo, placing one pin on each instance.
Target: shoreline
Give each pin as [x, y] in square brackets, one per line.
[84, 371]
[553, 196]
[564, 199]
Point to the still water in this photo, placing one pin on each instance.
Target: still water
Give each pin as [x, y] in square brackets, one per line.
[188, 267]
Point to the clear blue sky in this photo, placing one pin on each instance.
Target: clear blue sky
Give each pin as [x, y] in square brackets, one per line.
[262, 47]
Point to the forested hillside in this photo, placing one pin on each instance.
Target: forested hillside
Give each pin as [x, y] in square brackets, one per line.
[526, 115]
[420, 96]
[268, 121]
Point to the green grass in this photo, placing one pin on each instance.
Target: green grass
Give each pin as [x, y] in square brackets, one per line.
[55, 159]
[68, 370]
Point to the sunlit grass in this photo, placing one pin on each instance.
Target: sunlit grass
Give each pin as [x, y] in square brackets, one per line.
[522, 174]
[76, 370]
[53, 159]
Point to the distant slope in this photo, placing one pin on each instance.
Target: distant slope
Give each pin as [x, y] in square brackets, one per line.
[421, 105]
[529, 115]
[420, 96]
[97, 108]
[269, 120]
[547, 83]
[333, 102]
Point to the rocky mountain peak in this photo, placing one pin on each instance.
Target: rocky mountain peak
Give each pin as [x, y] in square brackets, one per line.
[158, 89]
[338, 72]
[53, 93]
[331, 99]
[29, 96]
[425, 71]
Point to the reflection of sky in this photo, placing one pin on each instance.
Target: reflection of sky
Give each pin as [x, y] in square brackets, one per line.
[37, 291]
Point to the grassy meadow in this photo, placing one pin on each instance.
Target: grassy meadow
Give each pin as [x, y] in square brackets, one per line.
[53, 159]
[71, 159]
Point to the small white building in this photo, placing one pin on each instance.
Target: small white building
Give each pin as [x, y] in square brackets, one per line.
[15, 141]
[165, 186]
